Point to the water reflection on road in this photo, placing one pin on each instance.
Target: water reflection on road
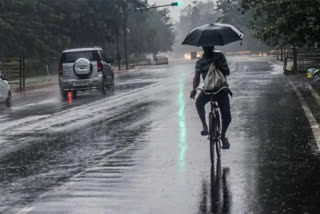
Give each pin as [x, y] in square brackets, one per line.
[140, 151]
[216, 196]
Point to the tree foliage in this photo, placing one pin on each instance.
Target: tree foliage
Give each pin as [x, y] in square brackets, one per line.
[198, 14]
[232, 13]
[194, 15]
[158, 37]
[225, 11]
[42, 28]
[285, 22]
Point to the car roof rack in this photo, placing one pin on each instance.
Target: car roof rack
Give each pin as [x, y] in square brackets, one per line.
[82, 49]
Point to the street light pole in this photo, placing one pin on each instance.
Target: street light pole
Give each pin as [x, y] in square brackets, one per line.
[125, 13]
[118, 50]
[116, 31]
[173, 4]
[125, 21]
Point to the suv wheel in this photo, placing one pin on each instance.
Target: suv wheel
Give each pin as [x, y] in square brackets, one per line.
[111, 88]
[103, 88]
[9, 100]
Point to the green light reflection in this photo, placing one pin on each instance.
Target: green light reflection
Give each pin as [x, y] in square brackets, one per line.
[182, 125]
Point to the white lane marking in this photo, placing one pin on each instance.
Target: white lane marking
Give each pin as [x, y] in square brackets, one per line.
[312, 121]
[25, 210]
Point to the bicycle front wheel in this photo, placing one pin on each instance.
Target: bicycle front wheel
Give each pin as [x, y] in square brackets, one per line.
[216, 125]
[211, 136]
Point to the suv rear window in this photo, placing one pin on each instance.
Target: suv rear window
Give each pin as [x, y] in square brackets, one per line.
[70, 57]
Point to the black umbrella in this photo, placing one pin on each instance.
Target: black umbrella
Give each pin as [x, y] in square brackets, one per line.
[213, 35]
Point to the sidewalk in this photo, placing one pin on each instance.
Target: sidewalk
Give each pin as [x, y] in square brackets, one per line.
[309, 98]
[299, 80]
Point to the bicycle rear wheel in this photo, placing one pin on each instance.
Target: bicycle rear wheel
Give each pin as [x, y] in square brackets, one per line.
[211, 136]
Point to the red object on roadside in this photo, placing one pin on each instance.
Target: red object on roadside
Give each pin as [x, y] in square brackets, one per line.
[70, 97]
[100, 66]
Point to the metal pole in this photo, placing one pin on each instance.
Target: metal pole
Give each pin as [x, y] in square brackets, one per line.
[125, 47]
[147, 8]
[125, 14]
[116, 28]
[20, 74]
[23, 74]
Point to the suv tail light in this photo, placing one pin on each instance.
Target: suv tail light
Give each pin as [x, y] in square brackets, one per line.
[100, 66]
[60, 69]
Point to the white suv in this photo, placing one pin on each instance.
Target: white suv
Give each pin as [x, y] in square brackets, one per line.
[85, 69]
[5, 92]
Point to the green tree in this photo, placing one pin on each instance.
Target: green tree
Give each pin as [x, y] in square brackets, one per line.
[41, 29]
[194, 15]
[286, 22]
[233, 13]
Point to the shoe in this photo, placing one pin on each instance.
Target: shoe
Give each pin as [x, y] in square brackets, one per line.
[225, 143]
[204, 133]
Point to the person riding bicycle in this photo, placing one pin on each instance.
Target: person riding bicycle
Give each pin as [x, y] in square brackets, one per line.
[202, 68]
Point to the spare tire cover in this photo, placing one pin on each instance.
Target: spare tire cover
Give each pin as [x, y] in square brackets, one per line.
[82, 67]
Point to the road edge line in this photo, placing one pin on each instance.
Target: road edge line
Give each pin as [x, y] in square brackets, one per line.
[311, 119]
[314, 94]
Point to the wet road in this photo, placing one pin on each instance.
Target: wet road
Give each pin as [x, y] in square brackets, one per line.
[139, 151]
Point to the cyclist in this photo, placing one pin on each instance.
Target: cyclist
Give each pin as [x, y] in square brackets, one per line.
[202, 68]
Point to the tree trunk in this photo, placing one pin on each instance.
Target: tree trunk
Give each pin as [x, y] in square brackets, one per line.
[295, 59]
[118, 50]
[125, 47]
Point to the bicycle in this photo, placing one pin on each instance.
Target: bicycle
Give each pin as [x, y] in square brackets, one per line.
[214, 126]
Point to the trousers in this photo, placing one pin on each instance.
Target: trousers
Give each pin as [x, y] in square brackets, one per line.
[224, 104]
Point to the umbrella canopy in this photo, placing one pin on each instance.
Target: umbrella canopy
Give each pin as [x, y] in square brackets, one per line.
[213, 35]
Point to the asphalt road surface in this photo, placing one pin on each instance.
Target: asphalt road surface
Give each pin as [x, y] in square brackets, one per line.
[140, 151]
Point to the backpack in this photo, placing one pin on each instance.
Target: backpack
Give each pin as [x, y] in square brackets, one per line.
[215, 80]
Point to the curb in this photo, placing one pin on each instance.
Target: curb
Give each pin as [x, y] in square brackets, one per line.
[313, 91]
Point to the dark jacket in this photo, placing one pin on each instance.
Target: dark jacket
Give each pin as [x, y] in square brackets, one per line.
[203, 64]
